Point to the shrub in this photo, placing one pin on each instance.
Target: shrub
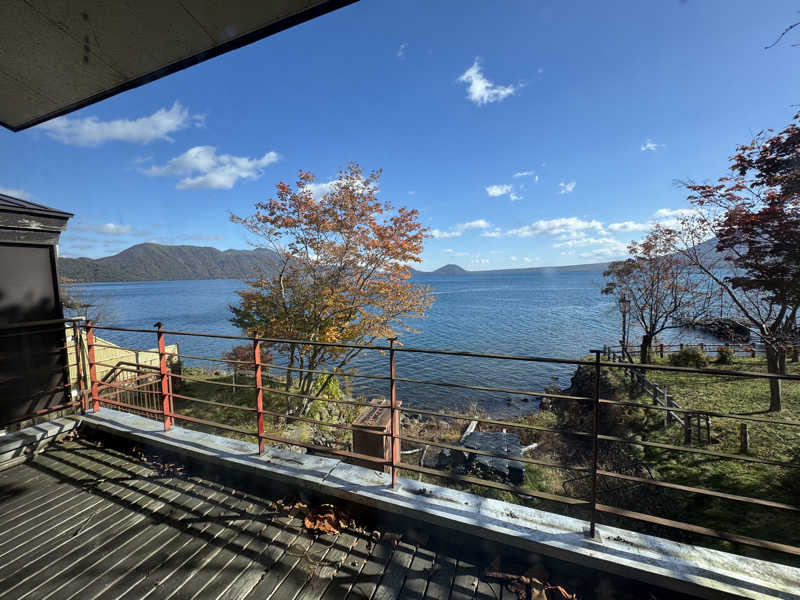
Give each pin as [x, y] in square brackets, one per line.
[725, 355]
[689, 357]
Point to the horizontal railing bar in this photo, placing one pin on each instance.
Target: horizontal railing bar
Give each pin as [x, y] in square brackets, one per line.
[543, 359]
[223, 383]
[35, 332]
[126, 389]
[722, 535]
[307, 397]
[492, 389]
[40, 323]
[106, 400]
[702, 451]
[225, 360]
[701, 491]
[325, 450]
[125, 349]
[466, 450]
[710, 372]
[492, 421]
[175, 415]
[494, 484]
[241, 337]
[213, 403]
[318, 372]
[706, 413]
[43, 412]
[320, 423]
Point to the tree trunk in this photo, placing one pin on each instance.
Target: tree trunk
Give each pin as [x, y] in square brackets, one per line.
[644, 349]
[776, 364]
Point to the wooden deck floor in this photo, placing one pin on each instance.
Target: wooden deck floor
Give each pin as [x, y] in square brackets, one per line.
[87, 522]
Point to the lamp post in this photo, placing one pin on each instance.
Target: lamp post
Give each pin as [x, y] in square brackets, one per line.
[624, 309]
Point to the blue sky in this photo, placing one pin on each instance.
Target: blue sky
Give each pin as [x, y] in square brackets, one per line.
[527, 133]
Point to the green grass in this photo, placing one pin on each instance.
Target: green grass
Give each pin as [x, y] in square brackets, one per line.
[768, 440]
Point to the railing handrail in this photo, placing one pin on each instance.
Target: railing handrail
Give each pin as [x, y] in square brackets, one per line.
[26, 324]
[162, 409]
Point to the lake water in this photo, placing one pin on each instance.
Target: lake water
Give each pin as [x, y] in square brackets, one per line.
[556, 314]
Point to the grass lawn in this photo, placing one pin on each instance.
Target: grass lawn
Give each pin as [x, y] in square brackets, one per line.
[768, 440]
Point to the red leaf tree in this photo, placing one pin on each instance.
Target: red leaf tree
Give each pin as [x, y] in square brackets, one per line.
[753, 213]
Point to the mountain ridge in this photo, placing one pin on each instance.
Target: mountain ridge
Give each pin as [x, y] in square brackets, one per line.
[157, 262]
[160, 262]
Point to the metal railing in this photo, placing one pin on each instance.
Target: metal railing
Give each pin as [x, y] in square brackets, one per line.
[595, 465]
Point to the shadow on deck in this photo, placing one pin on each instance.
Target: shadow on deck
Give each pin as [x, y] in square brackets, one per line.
[85, 521]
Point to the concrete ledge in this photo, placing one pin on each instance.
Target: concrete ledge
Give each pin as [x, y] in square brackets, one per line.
[680, 567]
[18, 446]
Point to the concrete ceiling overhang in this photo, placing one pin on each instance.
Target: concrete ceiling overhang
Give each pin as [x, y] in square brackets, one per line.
[57, 56]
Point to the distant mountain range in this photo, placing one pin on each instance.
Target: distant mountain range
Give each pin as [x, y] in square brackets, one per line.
[452, 269]
[156, 262]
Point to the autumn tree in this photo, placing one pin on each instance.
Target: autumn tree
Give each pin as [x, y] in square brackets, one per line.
[657, 284]
[753, 213]
[341, 272]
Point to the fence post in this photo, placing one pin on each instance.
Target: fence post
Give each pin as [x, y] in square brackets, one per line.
[595, 445]
[687, 429]
[667, 402]
[162, 367]
[259, 394]
[92, 366]
[681, 347]
[744, 438]
[76, 337]
[395, 417]
[661, 350]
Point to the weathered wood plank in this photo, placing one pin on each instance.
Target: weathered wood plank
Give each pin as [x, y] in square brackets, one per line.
[441, 576]
[306, 568]
[178, 553]
[282, 566]
[465, 582]
[371, 574]
[249, 583]
[395, 574]
[418, 574]
[347, 574]
[328, 569]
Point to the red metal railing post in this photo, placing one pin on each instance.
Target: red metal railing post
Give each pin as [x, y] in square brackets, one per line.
[162, 367]
[595, 446]
[92, 366]
[395, 417]
[259, 394]
[76, 337]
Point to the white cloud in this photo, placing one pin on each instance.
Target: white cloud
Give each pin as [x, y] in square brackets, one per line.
[498, 190]
[16, 193]
[587, 241]
[214, 171]
[650, 146]
[523, 173]
[514, 197]
[480, 261]
[568, 226]
[629, 226]
[104, 228]
[662, 213]
[91, 131]
[443, 235]
[536, 179]
[401, 51]
[495, 233]
[565, 187]
[460, 228]
[482, 91]
[609, 249]
[454, 253]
